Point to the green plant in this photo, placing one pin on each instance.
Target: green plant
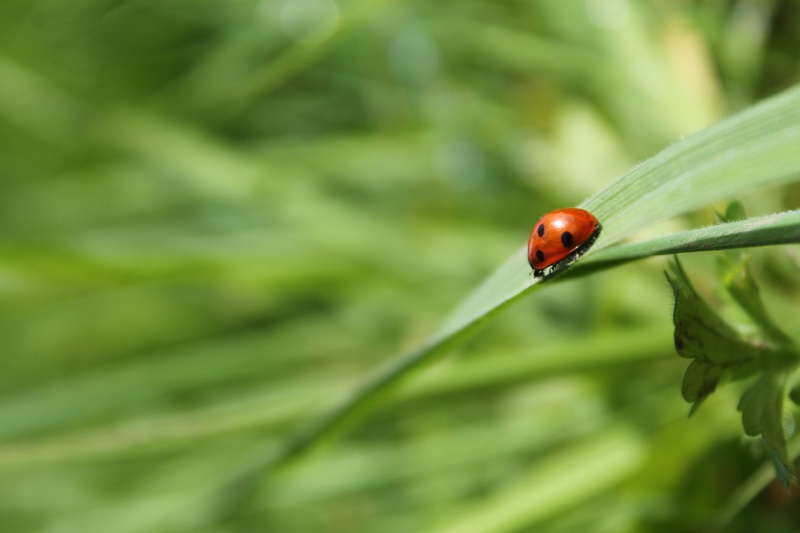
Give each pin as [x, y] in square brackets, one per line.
[720, 350]
[218, 216]
[759, 147]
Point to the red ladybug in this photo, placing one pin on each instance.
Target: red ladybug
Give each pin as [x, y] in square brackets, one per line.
[560, 237]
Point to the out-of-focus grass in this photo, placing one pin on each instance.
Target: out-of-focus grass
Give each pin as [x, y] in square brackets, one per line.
[214, 224]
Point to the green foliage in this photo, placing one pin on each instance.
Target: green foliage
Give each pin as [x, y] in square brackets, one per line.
[720, 350]
[716, 348]
[641, 196]
[220, 219]
[780, 228]
[762, 414]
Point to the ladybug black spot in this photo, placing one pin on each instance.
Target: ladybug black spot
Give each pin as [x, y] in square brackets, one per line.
[567, 240]
[540, 230]
[539, 255]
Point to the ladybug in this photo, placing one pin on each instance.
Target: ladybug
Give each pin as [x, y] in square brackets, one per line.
[559, 238]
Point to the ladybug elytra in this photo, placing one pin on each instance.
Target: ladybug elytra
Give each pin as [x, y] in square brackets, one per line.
[559, 238]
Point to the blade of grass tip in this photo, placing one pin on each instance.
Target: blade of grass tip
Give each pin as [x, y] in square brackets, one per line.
[758, 147]
[780, 228]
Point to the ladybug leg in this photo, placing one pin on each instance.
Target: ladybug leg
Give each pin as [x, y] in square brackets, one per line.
[552, 270]
[538, 273]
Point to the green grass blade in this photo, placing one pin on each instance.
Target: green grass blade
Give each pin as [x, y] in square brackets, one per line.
[749, 489]
[576, 474]
[278, 71]
[780, 228]
[757, 148]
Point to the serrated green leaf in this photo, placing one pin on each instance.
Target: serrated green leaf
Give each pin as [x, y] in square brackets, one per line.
[701, 334]
[762, 414]
[719, 350]
[699, 381]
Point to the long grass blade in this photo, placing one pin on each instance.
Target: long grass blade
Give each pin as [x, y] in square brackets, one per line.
[757, 148]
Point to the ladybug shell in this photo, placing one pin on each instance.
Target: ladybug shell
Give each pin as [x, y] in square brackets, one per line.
[560, 233]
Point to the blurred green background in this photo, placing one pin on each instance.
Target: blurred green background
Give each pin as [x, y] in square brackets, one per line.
[219, 216]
